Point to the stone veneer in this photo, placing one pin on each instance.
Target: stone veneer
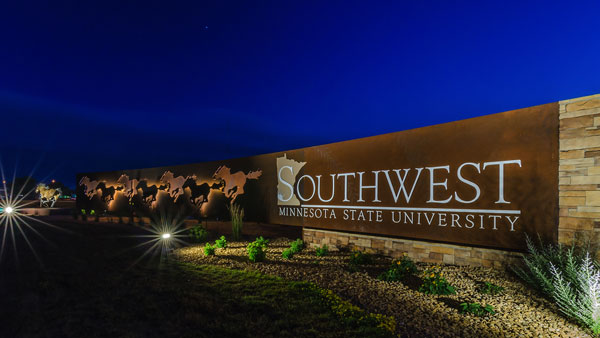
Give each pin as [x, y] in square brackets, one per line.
[579, 200]
[579, 170]
[419, 251]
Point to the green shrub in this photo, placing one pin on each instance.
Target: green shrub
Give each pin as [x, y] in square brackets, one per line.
[297, 245]
[434, 283]
[237, 214]
[209, 250]
[322, 251]
[568, 276]
[288, 253]
[399, 270]
[221, 242]
[476, 309]
[262, 241]
[256, 249]
[96, 216]
[491, 289]
[360, 258]
[198, 234]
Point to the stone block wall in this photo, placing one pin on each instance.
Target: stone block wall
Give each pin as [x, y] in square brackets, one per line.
[419, 251]
[579, 170]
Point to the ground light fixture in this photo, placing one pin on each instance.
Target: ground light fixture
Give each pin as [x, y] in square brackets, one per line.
[166, 236]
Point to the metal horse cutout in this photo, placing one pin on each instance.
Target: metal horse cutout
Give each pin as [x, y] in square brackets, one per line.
[89, 186]
[174, 184]
[129, 187]
[234, 183]
[47, 195]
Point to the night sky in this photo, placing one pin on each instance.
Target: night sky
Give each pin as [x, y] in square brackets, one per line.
[93, 86]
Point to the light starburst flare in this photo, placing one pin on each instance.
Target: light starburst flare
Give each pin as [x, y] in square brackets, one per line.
[13, 219]
[166, 232]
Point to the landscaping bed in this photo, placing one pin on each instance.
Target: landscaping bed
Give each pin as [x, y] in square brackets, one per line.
[519, 310]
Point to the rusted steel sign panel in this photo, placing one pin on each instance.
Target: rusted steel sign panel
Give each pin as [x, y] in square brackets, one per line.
[485, 181]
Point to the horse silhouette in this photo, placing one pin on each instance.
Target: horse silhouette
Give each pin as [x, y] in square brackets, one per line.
[128, 186]
[199, 193]
[149, 192]
[89, 186]
[107, 193]
[174, 184]
[234, 183]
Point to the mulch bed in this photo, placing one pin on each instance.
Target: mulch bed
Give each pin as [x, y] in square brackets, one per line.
[520, 311]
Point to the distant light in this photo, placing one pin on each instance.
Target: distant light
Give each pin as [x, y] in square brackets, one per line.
[9, 210]
[166, 236]
[53, 181]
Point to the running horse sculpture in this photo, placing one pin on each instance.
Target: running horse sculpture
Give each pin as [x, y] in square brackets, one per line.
[89, 186]
[47, 195]
[234, 183]
[174, 184]
[129, 187]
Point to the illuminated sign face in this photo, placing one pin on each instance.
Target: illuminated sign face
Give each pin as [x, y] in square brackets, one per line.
[484, 181]
[396, 187]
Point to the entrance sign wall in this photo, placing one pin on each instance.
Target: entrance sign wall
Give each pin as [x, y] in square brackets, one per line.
[483, 182]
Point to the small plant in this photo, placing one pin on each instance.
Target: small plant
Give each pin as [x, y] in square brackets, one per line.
[221, 242]
[491, 289]
[322, 251]
[476, 309]
[288, 253]
[198, 234]
[297, 245]
[434, 283]
[237, 214]
[360, 258]
[83, 215]
[209, 250]
[262, 241]
[568, 276]
[399, 270]
[256, 249]
[294, 248]
[95, 215]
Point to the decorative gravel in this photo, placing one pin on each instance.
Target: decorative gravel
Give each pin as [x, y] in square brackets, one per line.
[520, 311]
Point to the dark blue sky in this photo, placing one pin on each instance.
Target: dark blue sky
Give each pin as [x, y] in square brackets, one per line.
[108, 85]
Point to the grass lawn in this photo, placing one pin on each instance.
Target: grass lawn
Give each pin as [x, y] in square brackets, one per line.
[86, 287]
